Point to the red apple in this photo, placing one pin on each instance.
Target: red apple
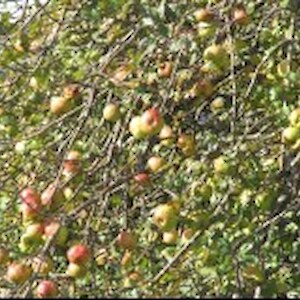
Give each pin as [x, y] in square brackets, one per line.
[18, 273]
[72, 163]
[151, 122]
[126, 240]
[78, 254]
[54, 227]
[46, 289]
[142, 178]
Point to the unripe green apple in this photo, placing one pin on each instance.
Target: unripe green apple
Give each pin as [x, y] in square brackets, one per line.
[222, 165]
[290, 134]
[166, 135]
[165, 217]
[217, 104]
[295, 117]
[186, 143]
[155, 163]
[283, 68]
[135, 128]
[59, 105]
[217, 54]
[76, 271]
[206, 30]
[33, 234]
[111, 112]
[170, 237]
[18, 273]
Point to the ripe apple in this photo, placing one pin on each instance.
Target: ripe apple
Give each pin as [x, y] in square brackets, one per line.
[151, 122]
[72, 163]
[18, 272]
[135, 127]
[42, 265]
[155, 163]
[59, 105]
[240, 16]
[295, 117]
[126, 240]
[46, 289]
[51, 227]
[76, 271]
[165, 69]
[71, 91]
[170, 237]
[165, 217]
[78, 254]
[203, 15]
[111, 112]
[4, 256]
[31, 197]
[290, 134]
[142, 179]
[52, 196]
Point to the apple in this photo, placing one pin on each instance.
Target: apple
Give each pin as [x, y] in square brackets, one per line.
[46, 289]
[126, 240]
[76, 271]
[170, 237]
[203, 15]
[206, 30]
[102, 257]
[18, 273]
[4, 256]
[166, 135]
[151, 122]
[33, 234]
[290, 134]
[132, 279]
[31, 197]
[142, 179]
[202, 88]
[42, 265]
[111, 112]
[221, 165]
[165, 69]
[295, 117]
[135, 127]
[71, 91]
[78, 254]
[52, 196]
[33, 83]
[187, 234]
[72, 163]
[51, 227]
[283, 68]
[155, 163]
[217, 54]
[240, 16]
[186, 143]
[59, 105]
[217, 104]
[165, 217]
